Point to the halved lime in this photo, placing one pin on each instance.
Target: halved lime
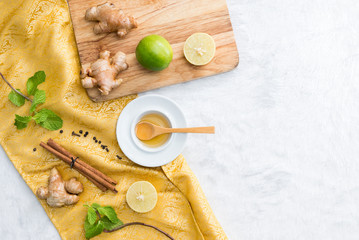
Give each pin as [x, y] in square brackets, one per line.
[199, 49]
[141, 196]
[154, 53]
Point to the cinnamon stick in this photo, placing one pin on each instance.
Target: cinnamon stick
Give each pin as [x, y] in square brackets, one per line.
[62, 150]
[99, 185]
[79, 167]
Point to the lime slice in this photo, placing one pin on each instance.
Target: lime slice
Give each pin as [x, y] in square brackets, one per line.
[141, 197]
[199, 49]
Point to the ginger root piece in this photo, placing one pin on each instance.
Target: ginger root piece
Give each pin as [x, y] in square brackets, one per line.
[42, 192]
[102, 73]
[110, 19]
[56, 194]
[73, 186]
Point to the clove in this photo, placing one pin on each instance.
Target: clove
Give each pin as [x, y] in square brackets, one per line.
[75, 134]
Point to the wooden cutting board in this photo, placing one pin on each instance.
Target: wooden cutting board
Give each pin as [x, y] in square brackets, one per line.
[175, 20]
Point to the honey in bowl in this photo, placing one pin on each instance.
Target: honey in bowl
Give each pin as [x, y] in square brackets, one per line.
[159, 120]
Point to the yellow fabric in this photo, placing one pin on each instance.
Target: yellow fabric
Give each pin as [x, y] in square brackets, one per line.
[37, 35]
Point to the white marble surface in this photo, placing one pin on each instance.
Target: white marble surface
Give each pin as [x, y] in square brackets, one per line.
[284, 162]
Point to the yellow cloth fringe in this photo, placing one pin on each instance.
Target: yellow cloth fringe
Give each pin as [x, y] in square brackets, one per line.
[37, 35]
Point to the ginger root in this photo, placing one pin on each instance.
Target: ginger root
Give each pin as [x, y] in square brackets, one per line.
[73, 186]
[102, 73]
[110, 19]
[56, 194]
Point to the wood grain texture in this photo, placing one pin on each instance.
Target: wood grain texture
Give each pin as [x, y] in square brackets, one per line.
[175, 20]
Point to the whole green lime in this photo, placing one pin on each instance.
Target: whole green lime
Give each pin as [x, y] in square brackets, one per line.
[154, 52]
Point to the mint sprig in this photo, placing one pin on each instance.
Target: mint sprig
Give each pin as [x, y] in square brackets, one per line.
[45, 117]
[100, 218]
[104, 219]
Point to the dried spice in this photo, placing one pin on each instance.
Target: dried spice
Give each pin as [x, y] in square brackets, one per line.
[118, 157]
[75, 134]
[96, 177]
[34, 149]
[104, 147]
[61, 131]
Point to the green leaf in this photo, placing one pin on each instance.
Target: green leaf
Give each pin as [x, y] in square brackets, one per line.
[48, 119]
[34, 81]
[21, 122]
[16, 98]
[96, 205]
[91, 215]
[108, 225]
[39, 98]
[52, 123]
[87, 225]
[109, 212]
[42, 115]
[93, 230]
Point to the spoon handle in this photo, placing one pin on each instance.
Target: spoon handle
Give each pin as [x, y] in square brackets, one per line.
[191, 130]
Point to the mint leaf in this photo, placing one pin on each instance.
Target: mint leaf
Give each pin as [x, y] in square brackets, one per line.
[39, 98]
[87, 225]
[34, 81]
[109, 212]
[16, 98]
[91, 215]
[93, 230]
[42, 115]
[21, 122]
[48, 119]
[108, 225]
[52, 123]
[96, 205]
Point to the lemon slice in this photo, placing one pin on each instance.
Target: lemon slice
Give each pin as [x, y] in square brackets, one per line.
[199, 49]
[141, 196]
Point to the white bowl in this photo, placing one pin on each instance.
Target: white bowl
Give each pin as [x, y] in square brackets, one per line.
[133, 148]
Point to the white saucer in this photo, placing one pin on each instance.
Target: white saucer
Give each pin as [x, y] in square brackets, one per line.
[133, 148]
